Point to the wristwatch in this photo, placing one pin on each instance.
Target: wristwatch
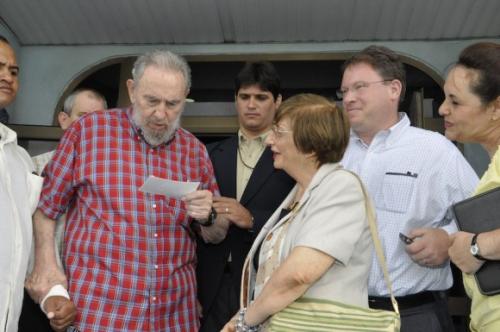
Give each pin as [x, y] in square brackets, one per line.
[474, 248]
[211, 219]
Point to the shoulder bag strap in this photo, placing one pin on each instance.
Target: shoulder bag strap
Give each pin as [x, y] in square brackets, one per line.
[376, 242]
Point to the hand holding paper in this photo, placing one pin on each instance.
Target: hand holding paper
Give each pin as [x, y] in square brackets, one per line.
[199, 204]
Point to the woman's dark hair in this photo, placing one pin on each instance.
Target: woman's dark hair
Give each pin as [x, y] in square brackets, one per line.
[484, 58]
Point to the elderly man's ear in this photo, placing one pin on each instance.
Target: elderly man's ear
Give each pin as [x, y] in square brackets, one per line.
[64, 120]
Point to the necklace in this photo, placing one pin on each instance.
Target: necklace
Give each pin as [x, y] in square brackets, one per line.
[293, 205]
[296, 200]
[243, 161]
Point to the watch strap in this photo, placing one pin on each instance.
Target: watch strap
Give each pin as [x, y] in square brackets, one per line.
[211, 219]
[473, 243]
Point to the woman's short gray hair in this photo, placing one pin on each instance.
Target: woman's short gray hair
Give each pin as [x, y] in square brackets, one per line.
[165, 60]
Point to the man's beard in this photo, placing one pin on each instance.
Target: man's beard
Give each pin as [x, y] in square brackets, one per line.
[154, 138]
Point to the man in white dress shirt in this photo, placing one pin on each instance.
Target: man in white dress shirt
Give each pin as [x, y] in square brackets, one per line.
[19, 192]
[76, 105]
[413, 176]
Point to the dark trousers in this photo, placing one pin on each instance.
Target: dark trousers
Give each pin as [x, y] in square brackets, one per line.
[224, 307]
[423, 312]
[32, 318]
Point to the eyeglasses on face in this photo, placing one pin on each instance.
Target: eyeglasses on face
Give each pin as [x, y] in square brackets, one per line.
[279, 132]
[356, 88]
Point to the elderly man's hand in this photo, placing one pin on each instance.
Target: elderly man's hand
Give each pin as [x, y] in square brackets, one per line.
[460, 252]
[233, 211]
[60, 311]
[199, 204]
[430, 246]
[41, 280]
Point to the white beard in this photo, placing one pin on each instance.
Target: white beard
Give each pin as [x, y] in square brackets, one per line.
[152, 137]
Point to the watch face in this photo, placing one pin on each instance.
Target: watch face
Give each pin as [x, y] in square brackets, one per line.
[474, 250]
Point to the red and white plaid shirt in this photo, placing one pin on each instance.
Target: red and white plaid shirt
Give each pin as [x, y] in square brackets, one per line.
[129, 255]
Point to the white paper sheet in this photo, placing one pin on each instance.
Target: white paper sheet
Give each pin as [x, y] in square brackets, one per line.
[176, 189]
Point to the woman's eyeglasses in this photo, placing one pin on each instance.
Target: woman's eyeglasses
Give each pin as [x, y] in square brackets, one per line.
[279, 132]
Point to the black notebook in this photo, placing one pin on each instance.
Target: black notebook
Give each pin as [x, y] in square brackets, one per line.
[480, 214]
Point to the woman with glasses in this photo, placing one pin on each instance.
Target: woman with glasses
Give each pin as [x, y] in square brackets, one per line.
[317, 243]
[471, 111]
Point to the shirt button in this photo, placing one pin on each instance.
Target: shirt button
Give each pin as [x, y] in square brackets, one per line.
[156, 266]
[153, 298]
[155, 234]
[154, 206]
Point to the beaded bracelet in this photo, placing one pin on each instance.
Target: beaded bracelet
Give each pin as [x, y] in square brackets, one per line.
[242, 326]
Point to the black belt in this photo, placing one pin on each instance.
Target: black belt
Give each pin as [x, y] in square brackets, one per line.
[404, 302]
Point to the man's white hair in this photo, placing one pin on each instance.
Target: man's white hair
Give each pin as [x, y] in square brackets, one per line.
[165, 60]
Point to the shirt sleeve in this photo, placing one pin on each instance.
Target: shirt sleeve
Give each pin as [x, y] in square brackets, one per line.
[58, 185]
[218, 231]
[459, 181]
[208, 176]
[335, 217]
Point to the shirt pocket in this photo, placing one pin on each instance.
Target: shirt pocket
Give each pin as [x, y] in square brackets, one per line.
[396, 191]
[174, 211]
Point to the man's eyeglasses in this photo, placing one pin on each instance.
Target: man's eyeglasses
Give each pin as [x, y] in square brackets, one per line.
[356, 87]
[279, 132]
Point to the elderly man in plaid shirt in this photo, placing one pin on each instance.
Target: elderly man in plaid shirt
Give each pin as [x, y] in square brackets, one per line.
[130, 256]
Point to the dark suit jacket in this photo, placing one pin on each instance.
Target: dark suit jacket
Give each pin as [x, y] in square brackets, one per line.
[266, 189]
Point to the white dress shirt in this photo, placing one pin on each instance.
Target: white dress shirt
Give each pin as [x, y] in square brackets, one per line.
[19, 192]
[249, 152]
[41, 160]
[413, 176]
